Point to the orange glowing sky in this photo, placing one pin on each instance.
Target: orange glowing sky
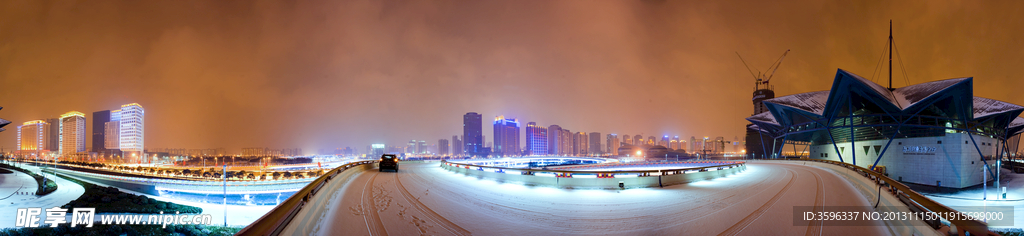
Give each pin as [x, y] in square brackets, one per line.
[328, 74]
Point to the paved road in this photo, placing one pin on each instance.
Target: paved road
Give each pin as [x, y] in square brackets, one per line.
[424, 199]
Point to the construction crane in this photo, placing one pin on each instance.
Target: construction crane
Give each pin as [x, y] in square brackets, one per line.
[763, 78]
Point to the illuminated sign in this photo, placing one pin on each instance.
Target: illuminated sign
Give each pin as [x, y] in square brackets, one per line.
[918, 150]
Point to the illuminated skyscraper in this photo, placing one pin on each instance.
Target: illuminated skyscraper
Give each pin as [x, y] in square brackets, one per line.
[627, 139]
[674, 143]
[32, 136]
[506, 137]
[72, 133]
[638, 140]
[664, 141]
[554, 140]
[421, 147]
[472, 134]
[536, 139]
[130, 121]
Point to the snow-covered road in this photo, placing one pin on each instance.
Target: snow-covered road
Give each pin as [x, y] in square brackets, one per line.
[425, 199]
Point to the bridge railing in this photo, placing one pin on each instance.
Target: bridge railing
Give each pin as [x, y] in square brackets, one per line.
[274, 221]
[604, 173]
[975, 227]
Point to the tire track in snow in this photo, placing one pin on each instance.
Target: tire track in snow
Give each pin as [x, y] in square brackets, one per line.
[742, 224]
[373, 223]
[819, 204]
[437, 218]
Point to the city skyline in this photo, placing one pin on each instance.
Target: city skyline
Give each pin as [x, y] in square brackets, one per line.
[212, 83]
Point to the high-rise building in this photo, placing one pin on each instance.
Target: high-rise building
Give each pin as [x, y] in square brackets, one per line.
[612, 144]
[577, 144]
[638, 140]
[664, 141]
[130, 123]
[112, 135]
[595, 144]
[536, 139]
[99, 121]
[693, 145]
[651, 140]
[442, 147]
[421, 147]
[457, 146]
[32, 137]
[676, 143]
[72, 133]
[375, 150]
[627, 139]
[673, 144]
[53, 134]
[472, 134]
[506, 137]
[584, 141]
[566, 142]
[554, 140]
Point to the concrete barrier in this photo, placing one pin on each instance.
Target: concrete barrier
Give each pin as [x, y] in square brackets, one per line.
[601, 183]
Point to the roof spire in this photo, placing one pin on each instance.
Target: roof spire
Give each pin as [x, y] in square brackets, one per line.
[890, 55]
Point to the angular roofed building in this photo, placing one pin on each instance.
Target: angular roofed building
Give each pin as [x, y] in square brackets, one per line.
[936, 133]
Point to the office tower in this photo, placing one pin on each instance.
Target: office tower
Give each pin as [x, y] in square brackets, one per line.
[693, 144]
[566, 143]
[638, 140]
[719, 145]
[677, 144]
[442, 147]
[651, 141]
[506, 137]
[581, 140]
[536, 139]
[112, 135]
[673, 144]
[456, 146]
[627, 139]
[131, 119]
[576, 140]
[554, 140]
[612, 144]
[472, 134]
[595, 144]
[72, 133]
[53, 134]
[421, 147]
[375, 150]
[32, 136]
[99, 120]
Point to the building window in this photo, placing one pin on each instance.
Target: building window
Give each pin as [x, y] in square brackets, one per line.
[940, 141]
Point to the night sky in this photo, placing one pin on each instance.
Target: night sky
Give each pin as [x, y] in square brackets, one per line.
[328, 74]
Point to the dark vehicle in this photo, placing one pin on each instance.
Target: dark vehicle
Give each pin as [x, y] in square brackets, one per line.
[388, 161]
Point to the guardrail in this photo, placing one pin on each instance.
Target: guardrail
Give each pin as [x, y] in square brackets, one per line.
[919, 201]
[663, 172]
[274, 221]
[604, 179]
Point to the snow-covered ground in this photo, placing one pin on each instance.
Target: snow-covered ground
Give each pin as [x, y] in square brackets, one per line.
[66, 191]
[424, 199]
[970, 199]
